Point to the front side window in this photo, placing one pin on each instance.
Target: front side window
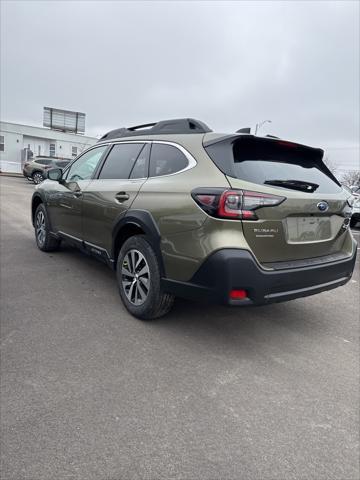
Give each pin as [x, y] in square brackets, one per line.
[52, 149]
[85, 166]
[2, 143]
[120, 161]
[166, 159]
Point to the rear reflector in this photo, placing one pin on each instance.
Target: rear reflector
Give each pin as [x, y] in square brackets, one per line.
[238, 294]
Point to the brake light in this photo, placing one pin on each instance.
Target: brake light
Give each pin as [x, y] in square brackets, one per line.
[234, 204]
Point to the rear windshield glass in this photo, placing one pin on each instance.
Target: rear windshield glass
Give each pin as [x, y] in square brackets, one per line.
[274, 163]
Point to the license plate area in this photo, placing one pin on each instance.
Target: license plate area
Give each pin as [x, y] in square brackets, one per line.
[308, 229]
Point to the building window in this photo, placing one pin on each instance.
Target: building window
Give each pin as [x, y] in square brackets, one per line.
[2, 143]
[52, 149]
[74, 151]
[39, 150]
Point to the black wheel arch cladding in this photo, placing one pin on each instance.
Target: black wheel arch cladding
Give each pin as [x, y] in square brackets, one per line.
[144, 221]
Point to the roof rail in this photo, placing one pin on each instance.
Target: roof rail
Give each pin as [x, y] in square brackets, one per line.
[176, 126]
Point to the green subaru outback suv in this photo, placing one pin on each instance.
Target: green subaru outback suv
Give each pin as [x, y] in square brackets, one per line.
[178, 210]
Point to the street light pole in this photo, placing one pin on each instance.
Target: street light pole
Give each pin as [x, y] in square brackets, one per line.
[260, 124]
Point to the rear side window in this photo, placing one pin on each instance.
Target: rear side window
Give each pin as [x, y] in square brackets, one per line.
[43, 162]
[274, 163]
[166, 159]
[120, 161]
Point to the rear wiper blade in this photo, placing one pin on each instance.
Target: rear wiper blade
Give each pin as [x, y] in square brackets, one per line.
[301, 185]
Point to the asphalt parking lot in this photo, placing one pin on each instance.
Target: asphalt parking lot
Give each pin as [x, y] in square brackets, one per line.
[88, 392]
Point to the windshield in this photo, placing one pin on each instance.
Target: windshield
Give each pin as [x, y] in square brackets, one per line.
[273, 162]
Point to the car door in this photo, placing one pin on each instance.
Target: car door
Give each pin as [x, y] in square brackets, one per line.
[106, 198]
[39, 165]
[65, 201]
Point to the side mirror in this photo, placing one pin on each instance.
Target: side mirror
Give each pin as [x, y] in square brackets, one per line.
[54, 174]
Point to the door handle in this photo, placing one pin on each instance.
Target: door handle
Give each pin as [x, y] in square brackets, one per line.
[122, 196]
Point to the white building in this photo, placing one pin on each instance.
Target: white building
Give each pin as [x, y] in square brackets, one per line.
[17, 140]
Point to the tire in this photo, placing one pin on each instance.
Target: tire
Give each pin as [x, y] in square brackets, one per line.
[44, 240]
[140, 286]
[29, 179]
[37, 177]
[353, 222]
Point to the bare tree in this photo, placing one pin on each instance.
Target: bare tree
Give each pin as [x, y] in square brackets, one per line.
[351, 177]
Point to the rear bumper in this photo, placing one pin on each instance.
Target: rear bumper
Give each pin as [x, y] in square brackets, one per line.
[231, 269]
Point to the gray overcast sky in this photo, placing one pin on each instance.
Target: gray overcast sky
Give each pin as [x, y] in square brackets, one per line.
[230, 64]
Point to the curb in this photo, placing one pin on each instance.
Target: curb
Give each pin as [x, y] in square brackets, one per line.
[10, 174]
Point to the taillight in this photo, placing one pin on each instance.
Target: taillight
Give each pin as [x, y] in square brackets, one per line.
[233, 204]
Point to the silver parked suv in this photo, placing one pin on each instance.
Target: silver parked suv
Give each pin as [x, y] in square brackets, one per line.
[35, 169]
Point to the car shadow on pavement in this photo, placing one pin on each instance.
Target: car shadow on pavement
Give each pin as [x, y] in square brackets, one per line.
[250, 330]
[217, 323]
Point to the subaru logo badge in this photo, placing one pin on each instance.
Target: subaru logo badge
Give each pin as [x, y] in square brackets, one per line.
[322, 206]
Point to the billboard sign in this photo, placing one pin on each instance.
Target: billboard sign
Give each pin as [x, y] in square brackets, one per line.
[64, 120]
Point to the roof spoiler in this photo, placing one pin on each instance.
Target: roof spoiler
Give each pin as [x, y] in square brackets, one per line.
[176, 126]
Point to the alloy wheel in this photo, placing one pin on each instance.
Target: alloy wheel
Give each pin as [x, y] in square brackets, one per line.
[135, 277]
[40, 228]
[38, 178]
